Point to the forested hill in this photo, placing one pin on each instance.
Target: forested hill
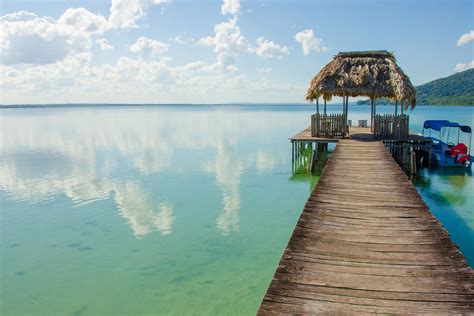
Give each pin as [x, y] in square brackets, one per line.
[457, 89]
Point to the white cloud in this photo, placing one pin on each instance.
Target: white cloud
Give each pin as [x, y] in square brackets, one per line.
[44, 78]
[125, 13]
[104, 44]
[230, 7]
[84, 21]
[131, 71]
[269, 49]
[147, 48]
[310, 42]
[198, 65]
[29, 39]
[228, 42]
[132, 80]
[207, 41]
[264, 70]
[461, 67]
[182, 39]
[67, 73]
[178, 39]
[466, 38]
[49, 60]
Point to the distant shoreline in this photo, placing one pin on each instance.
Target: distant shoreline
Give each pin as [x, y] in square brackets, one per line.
[91, 105]
[76, 105]
[383, 102]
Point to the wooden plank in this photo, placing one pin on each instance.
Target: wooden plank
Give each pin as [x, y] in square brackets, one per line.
[363, 298]
[367, 243]
[288, 304]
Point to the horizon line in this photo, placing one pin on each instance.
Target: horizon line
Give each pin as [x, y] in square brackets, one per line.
[79, 104]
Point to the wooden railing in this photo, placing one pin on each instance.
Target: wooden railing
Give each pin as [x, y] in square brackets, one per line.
[329, 125]
[388, 126]
[408, 153]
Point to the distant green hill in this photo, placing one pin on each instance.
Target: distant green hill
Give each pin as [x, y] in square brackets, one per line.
[457, 89]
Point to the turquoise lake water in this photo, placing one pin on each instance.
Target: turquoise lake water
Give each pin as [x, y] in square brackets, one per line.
[166, 209]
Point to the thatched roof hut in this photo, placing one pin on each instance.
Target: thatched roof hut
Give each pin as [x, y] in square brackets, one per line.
[373, 73]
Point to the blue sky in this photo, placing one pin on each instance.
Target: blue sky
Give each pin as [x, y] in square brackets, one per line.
[157, 51]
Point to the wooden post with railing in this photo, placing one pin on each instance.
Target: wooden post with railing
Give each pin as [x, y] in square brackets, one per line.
[329, 125]
[388, 126]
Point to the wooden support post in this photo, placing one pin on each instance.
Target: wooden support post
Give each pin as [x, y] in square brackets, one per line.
[292, 151]
[412, 162]
[372, 114]
[430, 152]
[396, 107]
[404, 154]
[324, 105]
[314, 161]
[343, 104]
[347, 115]
[347, 105]
[296, 156]
[317, 105]
[297, 150]
[375, 107]
[322, 147]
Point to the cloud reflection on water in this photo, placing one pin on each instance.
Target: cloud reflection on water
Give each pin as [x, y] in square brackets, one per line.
[228, 170]
[90, 155]
[142, 213]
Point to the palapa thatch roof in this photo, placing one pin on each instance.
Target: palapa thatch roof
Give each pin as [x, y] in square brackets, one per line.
[373, 74]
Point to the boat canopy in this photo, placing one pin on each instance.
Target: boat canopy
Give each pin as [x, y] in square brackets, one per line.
[437, 125]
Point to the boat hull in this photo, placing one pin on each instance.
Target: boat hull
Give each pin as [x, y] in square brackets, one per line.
[443, 160]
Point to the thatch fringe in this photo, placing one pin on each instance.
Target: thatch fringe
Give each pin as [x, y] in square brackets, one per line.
[374, 74]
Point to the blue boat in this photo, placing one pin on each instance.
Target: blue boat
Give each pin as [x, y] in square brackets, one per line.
[446, 153]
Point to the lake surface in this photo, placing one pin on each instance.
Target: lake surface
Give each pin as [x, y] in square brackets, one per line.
[166, 209]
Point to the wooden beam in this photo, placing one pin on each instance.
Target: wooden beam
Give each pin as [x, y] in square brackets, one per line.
[347, 113]
[375, 106]
[347, 105]
[371, 113]
[343, 104]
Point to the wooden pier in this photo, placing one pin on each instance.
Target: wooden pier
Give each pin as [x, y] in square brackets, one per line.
[367, 243]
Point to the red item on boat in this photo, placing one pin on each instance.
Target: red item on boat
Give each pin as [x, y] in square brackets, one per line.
[463, 158]
[459, 149]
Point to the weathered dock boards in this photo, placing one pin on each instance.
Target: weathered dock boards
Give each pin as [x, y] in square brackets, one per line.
[367, 243]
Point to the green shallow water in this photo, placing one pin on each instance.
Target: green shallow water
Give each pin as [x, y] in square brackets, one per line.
[164, 210]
